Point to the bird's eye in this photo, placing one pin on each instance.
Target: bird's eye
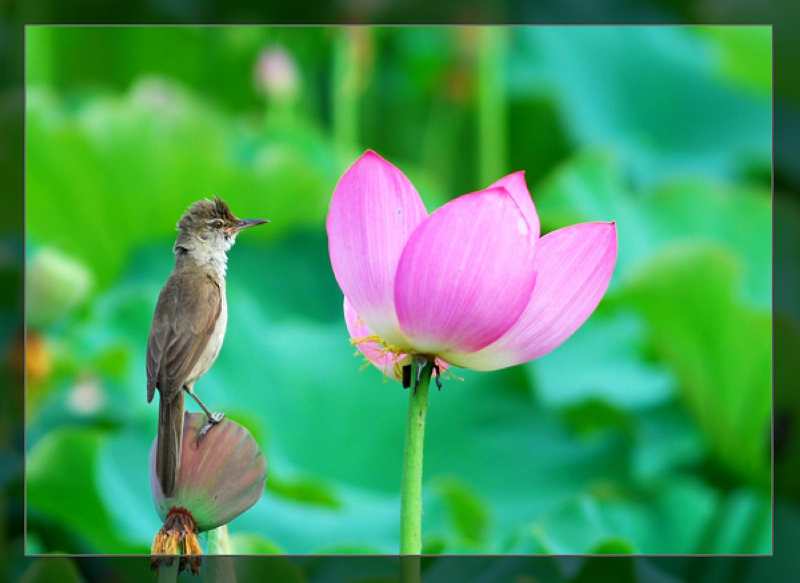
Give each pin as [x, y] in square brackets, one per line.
[216, 224]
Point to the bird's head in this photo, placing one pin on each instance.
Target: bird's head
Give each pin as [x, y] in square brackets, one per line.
[211, 224]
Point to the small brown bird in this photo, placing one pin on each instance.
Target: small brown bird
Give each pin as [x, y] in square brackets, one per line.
[189, 324]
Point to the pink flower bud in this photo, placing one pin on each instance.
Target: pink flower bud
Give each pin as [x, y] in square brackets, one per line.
[276, 73]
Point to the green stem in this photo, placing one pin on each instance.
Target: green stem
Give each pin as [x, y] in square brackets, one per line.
[346, 80]
[411, 489]
[218, 541]
[492, 108]
[410, 570]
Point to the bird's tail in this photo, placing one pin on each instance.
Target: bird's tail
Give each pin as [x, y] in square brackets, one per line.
[170, 435]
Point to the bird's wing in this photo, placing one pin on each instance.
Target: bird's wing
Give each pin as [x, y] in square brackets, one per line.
[185, 317]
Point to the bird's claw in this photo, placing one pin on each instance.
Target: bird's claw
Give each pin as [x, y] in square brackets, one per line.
[211, 420]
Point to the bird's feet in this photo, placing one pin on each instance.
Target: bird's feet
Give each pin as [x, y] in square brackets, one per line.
[211, 420]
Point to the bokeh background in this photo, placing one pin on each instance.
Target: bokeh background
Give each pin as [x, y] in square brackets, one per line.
[781, 567]
[647, 432]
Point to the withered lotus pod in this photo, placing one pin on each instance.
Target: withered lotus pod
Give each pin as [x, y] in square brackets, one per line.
[220, 476]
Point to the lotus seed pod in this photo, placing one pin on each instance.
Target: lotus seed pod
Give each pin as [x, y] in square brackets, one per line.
[221, 475]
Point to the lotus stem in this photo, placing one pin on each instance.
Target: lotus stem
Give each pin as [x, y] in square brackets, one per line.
[410, 571]
[492, 108]
[218, 541]
[347, 77]
[411, 489]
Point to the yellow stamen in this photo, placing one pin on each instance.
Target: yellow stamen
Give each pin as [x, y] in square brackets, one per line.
[385, 349]
[178, 537]
[398, 351]
[448, 373]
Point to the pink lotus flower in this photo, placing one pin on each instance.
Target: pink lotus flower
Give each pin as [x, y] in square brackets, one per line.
[472, 284]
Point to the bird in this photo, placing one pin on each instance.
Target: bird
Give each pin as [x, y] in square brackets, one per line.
[189, 325]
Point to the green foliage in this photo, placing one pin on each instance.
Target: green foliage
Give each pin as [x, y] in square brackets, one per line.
[646, 432]
[591, 187]
[143, 156]
[740, 50]
[694, 265]
[615, 368]
[467, 511]
[59, 569]
[253, 544]
[657, 100]
[61, 474]
[304, 490]
[720, 349]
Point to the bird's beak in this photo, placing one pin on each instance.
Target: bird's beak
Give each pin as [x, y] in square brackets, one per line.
[245, 223]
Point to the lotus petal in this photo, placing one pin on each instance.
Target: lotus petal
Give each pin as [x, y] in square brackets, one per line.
[574, 267]
[387, 362]
[465, 275]
[373, 211]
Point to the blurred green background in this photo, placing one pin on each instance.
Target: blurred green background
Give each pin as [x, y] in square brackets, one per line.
[647, 432]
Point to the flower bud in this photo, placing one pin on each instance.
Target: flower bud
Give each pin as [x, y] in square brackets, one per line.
[276, 73]
[56, 284]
